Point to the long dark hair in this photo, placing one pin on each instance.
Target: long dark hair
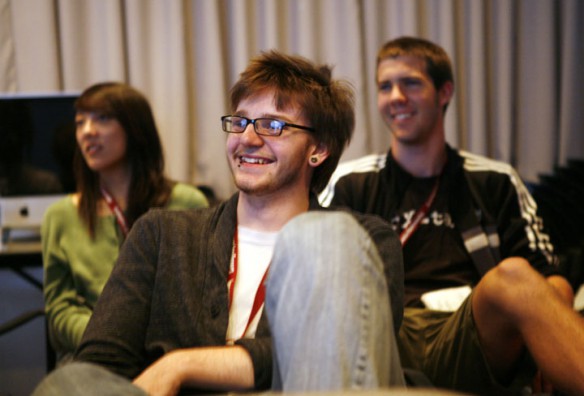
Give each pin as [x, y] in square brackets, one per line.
[148, 186]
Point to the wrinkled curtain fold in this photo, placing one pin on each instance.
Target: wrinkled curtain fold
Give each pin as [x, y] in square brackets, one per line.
[519, 86]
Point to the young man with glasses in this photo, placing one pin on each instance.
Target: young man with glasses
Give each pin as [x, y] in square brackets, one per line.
[184, 305]
[466, 223]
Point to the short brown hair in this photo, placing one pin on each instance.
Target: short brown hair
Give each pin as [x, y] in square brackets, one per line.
[326, 103]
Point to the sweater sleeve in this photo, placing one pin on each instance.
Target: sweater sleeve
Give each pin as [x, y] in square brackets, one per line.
[260, 351]
[67, 312]
[521, 229]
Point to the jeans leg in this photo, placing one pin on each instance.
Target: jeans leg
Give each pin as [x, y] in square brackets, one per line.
[328, 307]
[85, 379]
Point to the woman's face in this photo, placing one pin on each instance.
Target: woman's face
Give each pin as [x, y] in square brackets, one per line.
[102, 141]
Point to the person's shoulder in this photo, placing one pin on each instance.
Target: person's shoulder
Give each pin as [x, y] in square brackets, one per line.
[179, 215]
[368, 163]
[165, 215]
[181, 222]
[62, 207]
[352, 172]
[491, 174]
[61, 214]
[475, 163]
[186, 196]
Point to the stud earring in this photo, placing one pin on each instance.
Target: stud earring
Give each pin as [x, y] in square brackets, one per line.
[314, 159]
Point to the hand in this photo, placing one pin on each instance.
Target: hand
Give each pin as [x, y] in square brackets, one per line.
[225, 368]
[159, 379]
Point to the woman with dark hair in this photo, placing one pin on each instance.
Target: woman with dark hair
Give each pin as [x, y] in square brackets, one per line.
[119, 171]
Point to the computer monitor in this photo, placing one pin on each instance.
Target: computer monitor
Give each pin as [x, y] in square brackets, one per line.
[37, 142]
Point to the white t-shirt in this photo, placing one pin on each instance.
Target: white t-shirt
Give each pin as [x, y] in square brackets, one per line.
[255, 250]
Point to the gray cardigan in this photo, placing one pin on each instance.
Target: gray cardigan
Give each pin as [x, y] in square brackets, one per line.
[168, 291]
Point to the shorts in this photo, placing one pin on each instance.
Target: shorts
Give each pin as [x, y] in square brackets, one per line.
[445, 347]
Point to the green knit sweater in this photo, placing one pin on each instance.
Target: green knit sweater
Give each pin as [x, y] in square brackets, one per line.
[77, 267]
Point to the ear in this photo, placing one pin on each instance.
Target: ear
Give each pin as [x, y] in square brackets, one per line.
[318, 155]
[446, 92]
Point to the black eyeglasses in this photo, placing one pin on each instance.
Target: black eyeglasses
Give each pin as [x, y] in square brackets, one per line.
[262, 126]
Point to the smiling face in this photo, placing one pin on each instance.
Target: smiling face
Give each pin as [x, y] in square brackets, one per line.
[102, 141]
[263, 165]
[408, 100]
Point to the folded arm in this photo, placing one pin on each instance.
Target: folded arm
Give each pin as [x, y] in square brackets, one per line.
[217, 368]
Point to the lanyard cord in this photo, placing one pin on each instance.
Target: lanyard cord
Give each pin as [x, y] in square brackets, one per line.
[260, 295]
[116, 210]
[419, 215]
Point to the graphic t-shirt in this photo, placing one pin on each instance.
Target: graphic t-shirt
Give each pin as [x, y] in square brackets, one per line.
[434, 255]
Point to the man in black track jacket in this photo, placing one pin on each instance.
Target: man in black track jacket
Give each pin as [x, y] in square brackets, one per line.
[483, 293]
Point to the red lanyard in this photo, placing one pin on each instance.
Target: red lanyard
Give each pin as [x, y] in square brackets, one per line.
[260, 295]
[116, 210]
[419, 215]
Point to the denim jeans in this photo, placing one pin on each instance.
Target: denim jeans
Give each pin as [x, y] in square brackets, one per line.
[328, 307]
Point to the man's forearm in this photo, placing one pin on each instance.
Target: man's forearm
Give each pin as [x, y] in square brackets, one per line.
[226, 368]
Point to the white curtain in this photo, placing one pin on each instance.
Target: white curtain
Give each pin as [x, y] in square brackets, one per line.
[519, 84]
